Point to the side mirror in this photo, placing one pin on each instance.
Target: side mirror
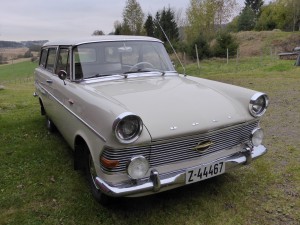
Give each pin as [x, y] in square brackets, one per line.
[62, 74]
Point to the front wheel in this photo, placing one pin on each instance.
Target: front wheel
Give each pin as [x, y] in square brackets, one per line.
[91, 175]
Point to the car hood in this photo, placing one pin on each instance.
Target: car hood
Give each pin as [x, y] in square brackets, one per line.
[172, 105]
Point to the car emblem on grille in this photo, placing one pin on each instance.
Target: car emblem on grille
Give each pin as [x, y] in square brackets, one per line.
[202, 146]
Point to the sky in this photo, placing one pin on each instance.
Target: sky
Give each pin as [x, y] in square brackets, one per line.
[24, 20]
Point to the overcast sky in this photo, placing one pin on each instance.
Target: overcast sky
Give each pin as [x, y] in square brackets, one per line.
[22, 20]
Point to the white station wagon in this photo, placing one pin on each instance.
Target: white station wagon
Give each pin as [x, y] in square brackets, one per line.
[136, 126]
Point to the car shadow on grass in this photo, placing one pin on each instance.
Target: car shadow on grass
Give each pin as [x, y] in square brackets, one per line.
[208, 189]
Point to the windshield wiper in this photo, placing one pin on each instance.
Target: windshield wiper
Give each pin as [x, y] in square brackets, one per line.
[138, 71]
[99, 75]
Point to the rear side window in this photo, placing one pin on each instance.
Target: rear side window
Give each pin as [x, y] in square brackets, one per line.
[51, 59]
[63, 61]
[43, 59]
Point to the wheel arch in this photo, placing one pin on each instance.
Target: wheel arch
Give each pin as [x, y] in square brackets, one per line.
[43, 111]
[79, 154]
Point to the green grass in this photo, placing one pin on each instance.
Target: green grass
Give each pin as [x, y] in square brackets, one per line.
[39, 186]
[10, 72]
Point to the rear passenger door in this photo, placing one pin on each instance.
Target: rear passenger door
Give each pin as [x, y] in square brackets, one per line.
[44, 78]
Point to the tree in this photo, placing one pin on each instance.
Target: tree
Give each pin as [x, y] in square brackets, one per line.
[118, 28]
[255, 5]
[225, 41]
[293, 16]
[223, 10]
[98, 32]
[133, 18]
[246, 20]
[149, 26]
[196, 20]
[202, 48]
[281, 14]
[296, 18]
[233, 25]
[168, 24]
[206, 16]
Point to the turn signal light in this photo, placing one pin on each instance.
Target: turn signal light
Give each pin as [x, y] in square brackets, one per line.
[110, 164]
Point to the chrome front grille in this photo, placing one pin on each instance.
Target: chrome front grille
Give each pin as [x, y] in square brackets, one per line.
[181, 149]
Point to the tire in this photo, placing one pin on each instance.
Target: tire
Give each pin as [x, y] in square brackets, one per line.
[90, 173]
[50, 125]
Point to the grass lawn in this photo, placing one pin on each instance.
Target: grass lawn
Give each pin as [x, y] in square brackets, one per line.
[9, 72]
[39, 186]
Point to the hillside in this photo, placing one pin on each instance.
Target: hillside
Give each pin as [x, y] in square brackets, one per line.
[14, 44]
[253, 43]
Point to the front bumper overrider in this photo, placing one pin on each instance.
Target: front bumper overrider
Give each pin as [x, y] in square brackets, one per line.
[160, 182]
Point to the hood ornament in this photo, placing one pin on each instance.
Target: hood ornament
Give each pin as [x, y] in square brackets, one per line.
[202, 146]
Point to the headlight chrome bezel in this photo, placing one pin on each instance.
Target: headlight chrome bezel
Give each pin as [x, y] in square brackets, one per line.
[254, 101]
[137, 167]
[257, 136]
[125, 118]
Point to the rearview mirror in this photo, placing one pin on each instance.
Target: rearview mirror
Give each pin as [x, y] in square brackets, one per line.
[125, 49]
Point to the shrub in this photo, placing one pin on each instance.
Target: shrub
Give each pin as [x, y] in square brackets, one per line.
[2, 59]
[202, 47]
[28, 54]
[225, 41]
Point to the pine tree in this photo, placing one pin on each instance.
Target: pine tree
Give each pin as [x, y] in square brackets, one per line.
[255, 5]
[149, 26]
[166, 19]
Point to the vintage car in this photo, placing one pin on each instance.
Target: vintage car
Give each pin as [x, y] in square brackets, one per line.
[138, 127]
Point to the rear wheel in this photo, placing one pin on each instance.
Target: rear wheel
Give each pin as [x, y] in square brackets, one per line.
[91, 175]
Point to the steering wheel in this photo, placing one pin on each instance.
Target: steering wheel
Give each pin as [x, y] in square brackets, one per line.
[140, 63]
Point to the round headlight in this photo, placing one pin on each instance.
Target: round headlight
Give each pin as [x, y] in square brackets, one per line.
[137, 167]
[257, 136]
[258, 104]
[128, 127]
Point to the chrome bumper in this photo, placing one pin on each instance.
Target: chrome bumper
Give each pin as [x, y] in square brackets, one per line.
[158, 182]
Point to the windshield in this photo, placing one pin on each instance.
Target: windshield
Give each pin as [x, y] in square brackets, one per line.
[110, 58]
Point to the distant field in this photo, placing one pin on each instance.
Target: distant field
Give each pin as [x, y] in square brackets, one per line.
[13, 53]
[39, 186]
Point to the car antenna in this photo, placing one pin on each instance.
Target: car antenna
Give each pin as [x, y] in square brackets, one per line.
[172, 47]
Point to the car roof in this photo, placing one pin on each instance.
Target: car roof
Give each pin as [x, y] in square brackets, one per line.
[100, 38]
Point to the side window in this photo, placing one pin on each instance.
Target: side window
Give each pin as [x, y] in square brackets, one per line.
[51, 59]
[63, 61]
[43, 58]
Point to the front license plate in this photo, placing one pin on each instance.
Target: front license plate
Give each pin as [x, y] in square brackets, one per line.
[204, 172]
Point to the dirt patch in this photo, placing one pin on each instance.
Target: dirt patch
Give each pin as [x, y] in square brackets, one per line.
[254, 43]
[287, 44]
